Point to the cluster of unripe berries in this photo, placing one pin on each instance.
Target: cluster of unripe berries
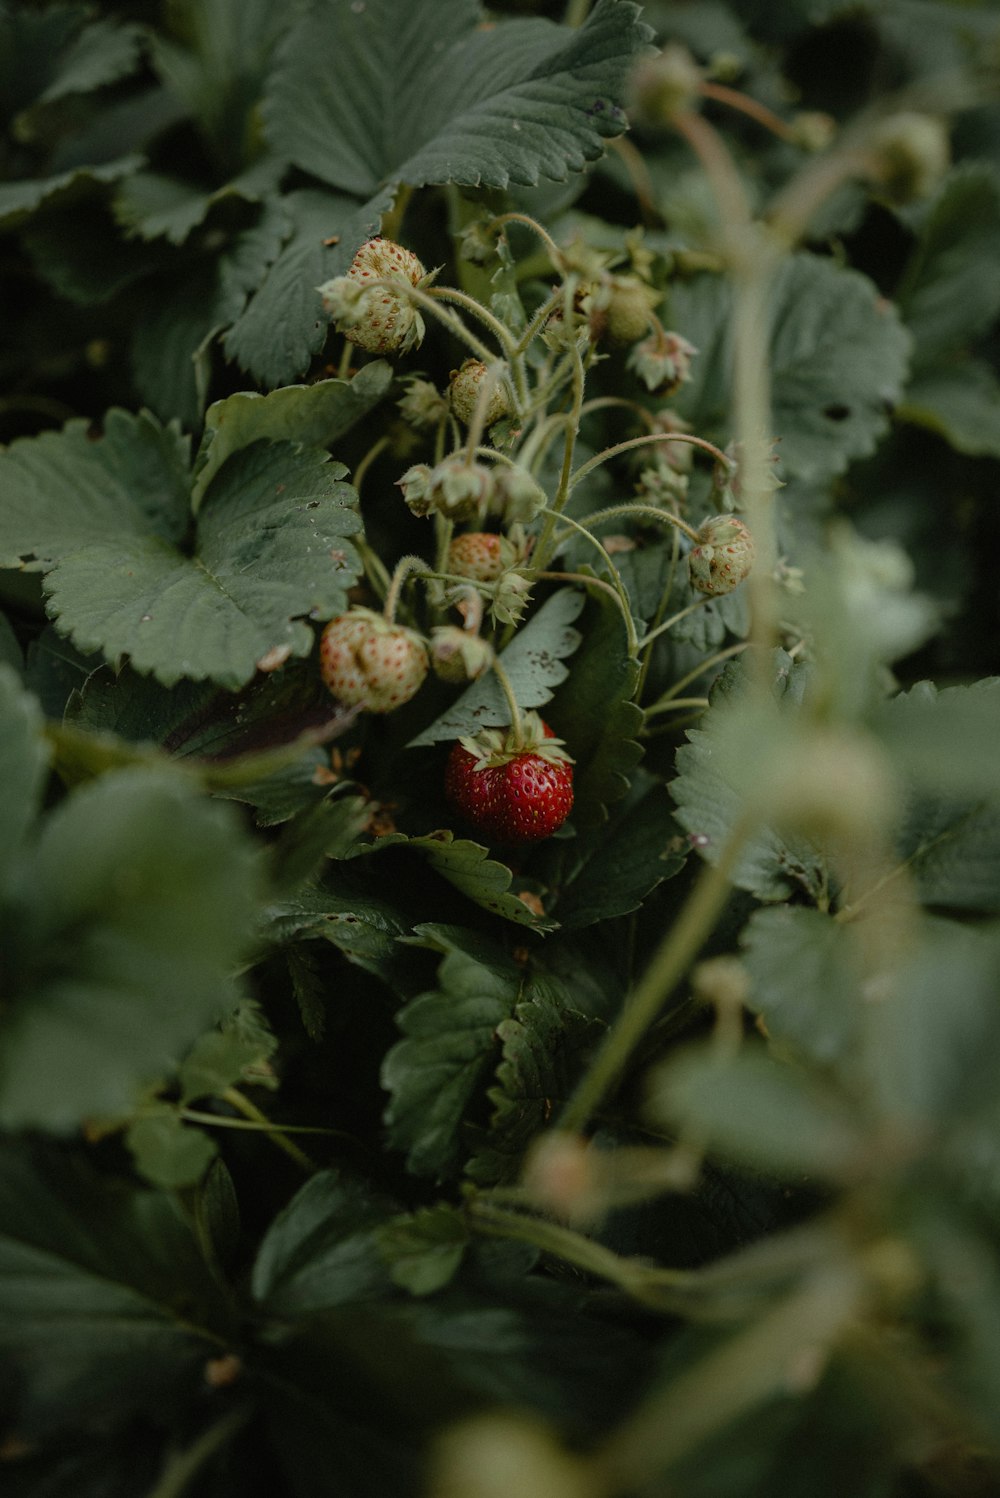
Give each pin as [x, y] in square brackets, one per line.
[514, 786]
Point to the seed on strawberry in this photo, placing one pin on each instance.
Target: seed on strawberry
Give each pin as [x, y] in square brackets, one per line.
[511, 792]
[376, 317]
[366, 661]
[478, 555]
[723, 556]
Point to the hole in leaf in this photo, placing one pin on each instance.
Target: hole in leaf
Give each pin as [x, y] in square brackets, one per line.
[836, 413]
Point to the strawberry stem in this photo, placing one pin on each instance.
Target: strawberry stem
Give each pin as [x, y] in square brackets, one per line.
[649, 512]
[649, 440]
[516, 721]
[402, 570]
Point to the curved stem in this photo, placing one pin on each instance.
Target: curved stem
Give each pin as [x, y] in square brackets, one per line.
[543, 234]
[675, 551]
[636, 1277]
[516, 722]
[597, 582]
[367, 461]
[661, 629]
[648, 512]
[461, 299]
[565, 480]
[748, 106]
[663, 703]
[618, 587]
[671, 960]
[402, 570]
[538, 319]
[649, 440]
[236, 1099]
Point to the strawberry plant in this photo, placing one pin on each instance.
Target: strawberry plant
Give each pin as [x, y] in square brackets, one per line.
[499, 705]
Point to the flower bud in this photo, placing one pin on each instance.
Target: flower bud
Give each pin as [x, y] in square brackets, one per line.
[663, 362]
[665, 86]
[423, 407]
[911, 154]
[458, 655]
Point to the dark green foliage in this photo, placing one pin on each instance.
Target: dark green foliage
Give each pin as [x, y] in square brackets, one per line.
[660, 1157]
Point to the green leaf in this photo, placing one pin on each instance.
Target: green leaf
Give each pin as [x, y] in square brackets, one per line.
[960, 401]
[284, 324]
[321, 1250]
[20, 199]
[101, 53]
[761, 1112]
[154, 204]
[544, 1049]
[945, 741]
[423, 1251]
[315, 415]
[24, 761]
[805, 980]
[106, 1308]
[610, 870]
[484, 107]
[434, 1073]
[717, 769]
[238, 1051]
[838, 354]
[467, 866]
[81, 254]
[594, 712]
[133, 911]
[353, 910]
[219, 68]
[949, 292]
[534, 663]
[931, 1046]
[269, 547]
[167, 1152]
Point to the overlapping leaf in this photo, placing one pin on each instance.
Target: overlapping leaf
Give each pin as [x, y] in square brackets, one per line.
[131, 913]
[108, 523]
[106, 1306]
[421, 94]
[839, 356]
[533, 662]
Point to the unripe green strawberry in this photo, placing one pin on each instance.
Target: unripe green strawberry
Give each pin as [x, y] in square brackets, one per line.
[479, 555]
[620, 308]
[911, 155]
[466, 385]
[511, 792]
[423, 407]
[723, 556]
[377, 318]
[368, 662]
[664, 86]
[459, 655]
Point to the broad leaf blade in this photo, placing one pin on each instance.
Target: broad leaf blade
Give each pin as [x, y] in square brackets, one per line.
[105, 1306]
[108, 519]
[134, 912]
[315, 415]
[433, 1074]
[534, 663]
[493, 106]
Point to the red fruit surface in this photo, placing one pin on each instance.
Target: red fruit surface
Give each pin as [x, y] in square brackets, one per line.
[520, 801]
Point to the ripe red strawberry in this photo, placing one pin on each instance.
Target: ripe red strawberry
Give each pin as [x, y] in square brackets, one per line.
[368, 662]
[515, 793]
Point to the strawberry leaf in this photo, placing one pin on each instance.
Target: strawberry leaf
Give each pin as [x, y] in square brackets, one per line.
[131, 912]
[839, 356]
[486, 107]
[433, 1074]
[23, 766]
[315, 415]
[108, 521]
[106, 1308]
[533, 661]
